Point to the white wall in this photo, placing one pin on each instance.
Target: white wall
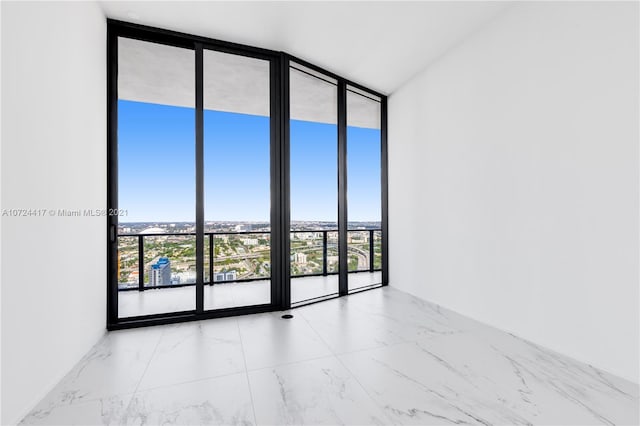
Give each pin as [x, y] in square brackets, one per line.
[53, 157]
[514, 179]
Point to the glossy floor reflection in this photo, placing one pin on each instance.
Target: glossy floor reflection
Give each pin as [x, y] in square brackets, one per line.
[376, 357]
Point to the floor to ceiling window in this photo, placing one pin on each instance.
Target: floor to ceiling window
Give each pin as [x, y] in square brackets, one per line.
[245, 180]
[156, 178]
[364, 189]
[313, 184]
[237, 171]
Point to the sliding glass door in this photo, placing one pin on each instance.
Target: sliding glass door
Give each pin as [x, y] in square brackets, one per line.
[237, 187]
[156, 179]
[364, 189]
[314, 185]
[194, 156]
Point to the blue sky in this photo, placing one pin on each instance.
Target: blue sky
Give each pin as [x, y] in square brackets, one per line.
[156, 167]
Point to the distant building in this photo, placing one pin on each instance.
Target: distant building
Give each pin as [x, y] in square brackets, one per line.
[358, 237]
[184, 277]
[225, 276]
[309, 235]
[160, 272]
[300, 258]
[152, 230]
[250, 241]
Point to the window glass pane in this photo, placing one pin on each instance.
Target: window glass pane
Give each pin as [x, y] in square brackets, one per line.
[237, 176]
[314, 174]
[364, 188]
[156, 177]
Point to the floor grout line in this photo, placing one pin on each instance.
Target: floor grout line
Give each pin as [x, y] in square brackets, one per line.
[155, 349]
[186, 382]
[373, 400]
[337, 357]
[287, 364]
[246, 372]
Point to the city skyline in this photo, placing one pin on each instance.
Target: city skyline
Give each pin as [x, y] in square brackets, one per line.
[156, 162]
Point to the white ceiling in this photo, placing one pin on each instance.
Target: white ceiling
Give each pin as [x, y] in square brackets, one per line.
[380, 45]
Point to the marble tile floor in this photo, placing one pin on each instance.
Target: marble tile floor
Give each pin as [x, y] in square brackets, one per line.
[162, 300]
[380, 357]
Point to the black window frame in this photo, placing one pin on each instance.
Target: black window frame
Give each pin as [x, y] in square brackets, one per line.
[280, 196]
